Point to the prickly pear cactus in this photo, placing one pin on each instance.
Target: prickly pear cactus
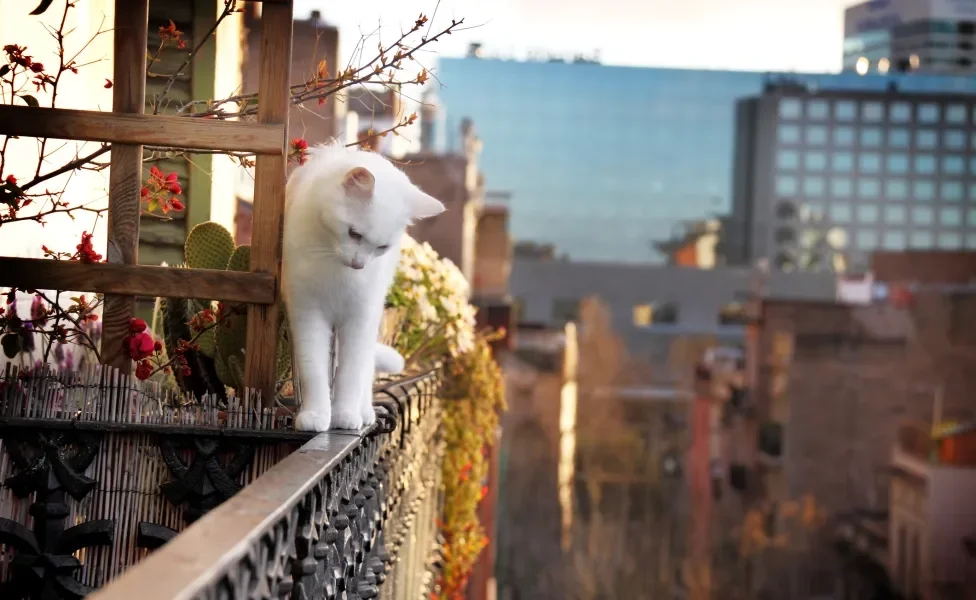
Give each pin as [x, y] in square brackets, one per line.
[221, 354]
[209, 246]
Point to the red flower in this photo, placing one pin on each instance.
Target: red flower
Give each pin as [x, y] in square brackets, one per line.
[299, 144]
[11, 180]
[144, 192]
[174, 187]
[158, 346]
[155, 171]
[171, 178]
[86, 252]
[176, 204]
[108, 84]
[140, 346]
[143, 370]
[137, 325]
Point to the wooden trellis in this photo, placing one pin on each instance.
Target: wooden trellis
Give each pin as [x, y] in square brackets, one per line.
[127, 128]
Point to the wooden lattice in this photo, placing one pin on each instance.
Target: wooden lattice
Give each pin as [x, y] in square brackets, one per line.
[127, 128]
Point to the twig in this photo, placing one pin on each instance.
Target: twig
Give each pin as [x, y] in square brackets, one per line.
[229, 7]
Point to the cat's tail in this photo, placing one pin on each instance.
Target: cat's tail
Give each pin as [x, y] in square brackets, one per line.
[388, 360]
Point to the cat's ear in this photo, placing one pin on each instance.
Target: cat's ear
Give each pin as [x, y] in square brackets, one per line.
[424, 206]
[359, 183]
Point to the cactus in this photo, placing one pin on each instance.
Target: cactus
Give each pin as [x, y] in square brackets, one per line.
[209, 246]
[221, 355]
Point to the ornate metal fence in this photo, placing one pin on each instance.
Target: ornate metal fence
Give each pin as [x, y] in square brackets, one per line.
[212, 502]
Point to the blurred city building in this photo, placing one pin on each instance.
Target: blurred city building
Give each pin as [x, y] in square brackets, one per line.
[825, 178]
[601, 161]
[653, 308]
[927, 36]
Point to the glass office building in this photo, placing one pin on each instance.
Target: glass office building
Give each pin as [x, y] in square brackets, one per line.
[602, 160]
[839, 175]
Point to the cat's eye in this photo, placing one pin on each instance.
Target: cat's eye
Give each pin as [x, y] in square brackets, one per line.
[382, 249]
[355, 235]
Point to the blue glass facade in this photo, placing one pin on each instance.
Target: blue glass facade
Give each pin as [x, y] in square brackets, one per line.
[602, 160]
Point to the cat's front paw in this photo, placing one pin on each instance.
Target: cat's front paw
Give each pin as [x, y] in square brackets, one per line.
[309, 420]
[348, 418]
[369, 413]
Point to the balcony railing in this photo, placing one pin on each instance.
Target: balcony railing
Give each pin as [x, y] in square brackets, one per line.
[345, 516]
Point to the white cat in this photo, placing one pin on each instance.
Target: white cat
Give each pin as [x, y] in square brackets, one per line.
[345, 212]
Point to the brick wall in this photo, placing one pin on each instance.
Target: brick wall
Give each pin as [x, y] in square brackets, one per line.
[855, 374]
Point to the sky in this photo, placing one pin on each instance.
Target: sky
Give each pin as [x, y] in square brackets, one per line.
[755, 35]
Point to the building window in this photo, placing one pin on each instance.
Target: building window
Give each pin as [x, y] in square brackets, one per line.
[867, 213]
[788, 134]
[926, 139]
[813, 186]
[643, 315]
[925, 164]
[897, 163]
[817, 110]
[922, 215]
[899, 138]
[845, 110]
[786, 185]
[871, 137]
[954, 139]
[867, 239]
[733, 313]
[842, 162]
[971, 241]
[921, 240]
[972, 192]
[872, 111]
[928, 113]
[896, 189]
[868, 188]
[950, 217]
[790, 108]
[901, 112]
[971, 217]
[565, 310]
[953, 165]
[843, 136]
[840, 212]
[949, 240]
[894, 215]
[816, 135]
[655, 313]
[841, 187]
[972, 166]
[894, 240]
[924, 191]
[956, 113]
[815, 161]
[951, 191]
[811, 211]
[787, 159]
[870, 163]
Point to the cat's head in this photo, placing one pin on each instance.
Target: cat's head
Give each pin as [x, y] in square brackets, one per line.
[366, 202]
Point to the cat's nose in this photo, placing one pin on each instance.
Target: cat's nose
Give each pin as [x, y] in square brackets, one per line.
[357, 264]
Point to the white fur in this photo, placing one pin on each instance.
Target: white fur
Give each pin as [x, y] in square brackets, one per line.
[322, 289]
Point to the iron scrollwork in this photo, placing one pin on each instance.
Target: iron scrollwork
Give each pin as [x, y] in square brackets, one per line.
[51, 466]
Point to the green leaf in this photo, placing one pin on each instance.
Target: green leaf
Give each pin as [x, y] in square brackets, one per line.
[43, 6]
[30, 100]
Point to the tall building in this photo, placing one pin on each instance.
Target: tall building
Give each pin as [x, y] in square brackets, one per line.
[603, 161]
[932, 36]
[825, 178]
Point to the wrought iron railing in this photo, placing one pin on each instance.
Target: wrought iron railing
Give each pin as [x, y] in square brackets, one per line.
[346, 516]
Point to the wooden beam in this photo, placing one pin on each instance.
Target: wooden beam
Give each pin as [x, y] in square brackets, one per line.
[125, 174]
[151, 130]
[274, 100]
[136, 280]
